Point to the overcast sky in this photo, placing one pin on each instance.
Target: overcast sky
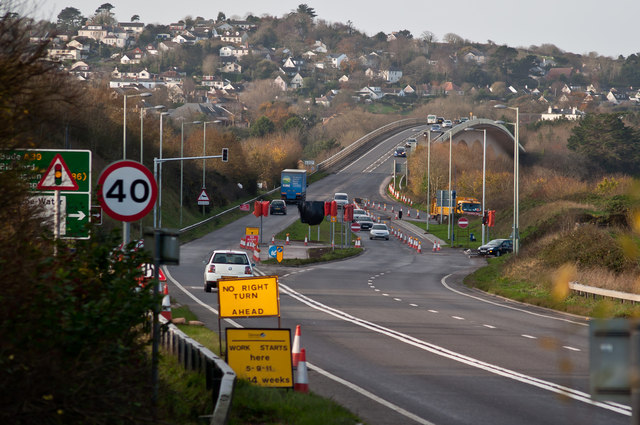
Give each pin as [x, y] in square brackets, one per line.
[609, 28]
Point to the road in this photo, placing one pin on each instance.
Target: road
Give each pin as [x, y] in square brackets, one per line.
[395, 337]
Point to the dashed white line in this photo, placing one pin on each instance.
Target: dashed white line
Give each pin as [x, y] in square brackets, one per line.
[457, 317]
[413, 305]
[432, 311]
[397, 299]
[489, 326]
[528, 336]
[571, 348]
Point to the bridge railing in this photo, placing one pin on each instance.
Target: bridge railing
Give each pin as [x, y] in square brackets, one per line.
[192, 355]
[334, 159]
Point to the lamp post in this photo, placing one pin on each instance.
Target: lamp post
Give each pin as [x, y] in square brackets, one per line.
[516, 171]
[449, 224]
[157, 214]
[126, 226]
[484, 171]
[182, 162]
[204, 153]
[428, 177]
[157, 107]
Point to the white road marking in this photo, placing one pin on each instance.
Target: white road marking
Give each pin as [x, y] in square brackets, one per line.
[571, 348]
[452, 355]
[529, 336]
[489, 326]
[432, 311]
[413, 305]
[397, 299]
[457, 317]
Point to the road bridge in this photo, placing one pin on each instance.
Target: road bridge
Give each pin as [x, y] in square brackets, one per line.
[499, 138]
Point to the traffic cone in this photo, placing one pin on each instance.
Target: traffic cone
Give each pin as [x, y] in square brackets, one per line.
[419, 247]
[391, 208]
[385, 207]
[295, 350]
[273, 240]
[166, 303]
[418, 214]
[287, 241]
[305, 241]
[408, 212]
[302, 379]
[435, 246]
[438, 246]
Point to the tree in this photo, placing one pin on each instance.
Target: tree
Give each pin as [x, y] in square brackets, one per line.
[306, 10]
[453, 39]
[105, 7]
[135, 18]
[221, 17]
[607, 142]
[70, 19]
[262, 127]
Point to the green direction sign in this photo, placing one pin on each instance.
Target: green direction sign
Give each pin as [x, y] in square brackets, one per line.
[75, 205]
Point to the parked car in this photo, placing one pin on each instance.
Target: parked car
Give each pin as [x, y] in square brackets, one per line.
[400, 152]
[278, 206]
[496, 247]
[365, 221]
[379, 231]
[341, 199]
[447, 124]
[226, 263]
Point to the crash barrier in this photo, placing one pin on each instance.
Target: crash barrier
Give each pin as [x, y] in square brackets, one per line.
[192, 355]
[587, 291]
[353, 147]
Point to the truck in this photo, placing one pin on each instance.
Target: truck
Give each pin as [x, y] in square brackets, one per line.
[293, 185]
[432, 119]
[462, 205]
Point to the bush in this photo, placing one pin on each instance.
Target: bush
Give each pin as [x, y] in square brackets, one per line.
[587, 246]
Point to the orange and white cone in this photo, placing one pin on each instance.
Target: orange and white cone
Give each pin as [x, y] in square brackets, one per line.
[295, 350]
[408, 212]
[287, 240]
[302, 378]
[419, 247]
[435, 246]
[438, 246]
[418, 214]
[306, 242]
[273, 240]
[166, 303]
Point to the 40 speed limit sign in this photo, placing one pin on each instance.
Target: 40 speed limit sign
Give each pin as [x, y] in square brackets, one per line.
[127, 190]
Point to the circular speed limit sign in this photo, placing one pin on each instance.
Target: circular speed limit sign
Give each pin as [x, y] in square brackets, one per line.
[127, 190]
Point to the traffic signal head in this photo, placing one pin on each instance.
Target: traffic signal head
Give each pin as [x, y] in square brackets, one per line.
[491, 218]
[225, 154]
[257, 208]
[348, 212]
[334, 208]
[265, 208]
[327, 208]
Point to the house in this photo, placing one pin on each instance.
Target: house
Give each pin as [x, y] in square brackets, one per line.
[232, 67]
[167, 45]
[184, 39]
[223, 27]
[234, 37]
[296, 82]
[64, 53]
[343, 79]
[450, 88]
[238, 52]
[135, 28]
[319, 47]
[616, 97]
[95, 32]
[244, 25]
[557, 113]
[177, 27]
[391, 75]
[474, 56]
[81, 43]
[335, 60]
[373, 93]
[279, 82]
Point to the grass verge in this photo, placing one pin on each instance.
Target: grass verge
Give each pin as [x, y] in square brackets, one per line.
[186, 398]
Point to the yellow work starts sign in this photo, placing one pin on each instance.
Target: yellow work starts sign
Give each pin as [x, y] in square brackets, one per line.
[262, 356]
[249, 297]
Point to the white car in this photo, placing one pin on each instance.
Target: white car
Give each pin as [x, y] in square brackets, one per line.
[447, 124]
[226, 263]
[379, 231]
[341, 199]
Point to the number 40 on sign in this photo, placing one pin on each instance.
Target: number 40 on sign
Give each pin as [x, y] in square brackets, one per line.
[127, 190]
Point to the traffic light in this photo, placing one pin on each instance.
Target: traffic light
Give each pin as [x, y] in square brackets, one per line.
[327, 208]
[265, 208]
[225, 154]
[257, 208]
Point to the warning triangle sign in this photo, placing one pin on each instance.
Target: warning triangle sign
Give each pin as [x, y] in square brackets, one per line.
[203, 199]
[57, 176]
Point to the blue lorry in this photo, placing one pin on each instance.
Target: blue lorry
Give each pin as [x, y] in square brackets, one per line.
[293, 185]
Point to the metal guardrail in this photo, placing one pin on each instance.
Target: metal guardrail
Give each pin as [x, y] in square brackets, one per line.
[194, 356]
[608, 293]
[332, 160]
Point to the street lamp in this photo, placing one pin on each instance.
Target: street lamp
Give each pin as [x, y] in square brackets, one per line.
[182, 162]
[428, 177]
[484, 171]
[126, 226]
[157, 108]
[155, 213]
[516, 171]
[204, 153]
[450, 224]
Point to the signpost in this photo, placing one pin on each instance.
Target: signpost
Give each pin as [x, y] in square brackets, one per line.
[57, 174]
[127, 190]
[262, 356]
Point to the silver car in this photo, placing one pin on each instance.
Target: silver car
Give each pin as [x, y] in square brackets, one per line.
[379, 231]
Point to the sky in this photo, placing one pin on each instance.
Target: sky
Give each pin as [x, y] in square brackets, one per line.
[609, 28]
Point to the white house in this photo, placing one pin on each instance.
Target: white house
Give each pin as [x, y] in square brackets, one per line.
[335, 60]
[391, 75]
[296, 82]
[282, 84]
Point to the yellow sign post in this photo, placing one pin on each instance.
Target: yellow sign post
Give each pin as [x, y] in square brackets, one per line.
[249, 297]
[262, 356]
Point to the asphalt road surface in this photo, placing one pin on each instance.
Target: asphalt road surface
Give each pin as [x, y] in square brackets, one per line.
[395, 337]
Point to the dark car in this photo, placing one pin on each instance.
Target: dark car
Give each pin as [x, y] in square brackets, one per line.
[400, 152]
[278, 206]
[365, 221]
[496, 247]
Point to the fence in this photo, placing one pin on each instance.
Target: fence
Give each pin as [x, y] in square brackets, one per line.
[605, 293]
[192, 355]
